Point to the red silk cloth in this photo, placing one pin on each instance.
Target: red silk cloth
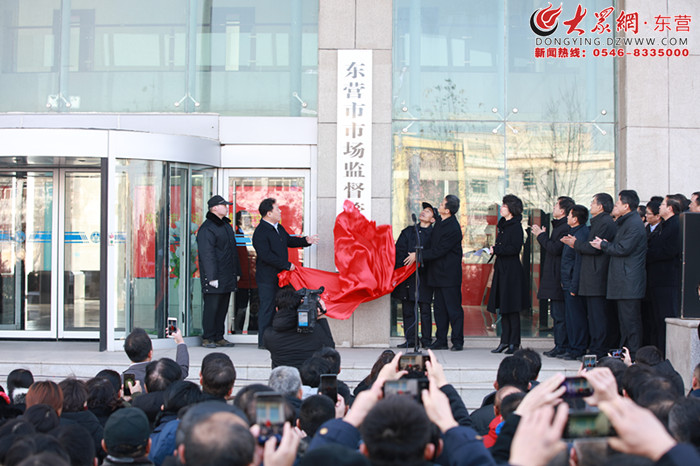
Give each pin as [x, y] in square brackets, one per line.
[364, 256]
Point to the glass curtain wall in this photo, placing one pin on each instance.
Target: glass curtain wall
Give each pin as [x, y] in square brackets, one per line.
[157, 273]
[233, 57]
[478, 114]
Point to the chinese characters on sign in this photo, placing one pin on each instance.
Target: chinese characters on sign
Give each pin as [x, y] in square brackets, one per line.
[354, 142]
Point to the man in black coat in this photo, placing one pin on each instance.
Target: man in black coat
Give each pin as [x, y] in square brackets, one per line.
[219, 270]
[406, 290]
[444, 259]
[627, 274]
[593, 282]
[664, 271]
[288, 347]
[550, 280]
[271, 241]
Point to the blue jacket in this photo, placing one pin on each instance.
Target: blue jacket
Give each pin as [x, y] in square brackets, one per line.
[163, 441]
[571, 262]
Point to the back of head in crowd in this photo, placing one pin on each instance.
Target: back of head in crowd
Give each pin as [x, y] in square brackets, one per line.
[161, 374]
[286, 380]
[113, 376]
[513, 372]
[72, 438]
[684, 421]
[397, 431]
[312, 369]
[180, 394]
[510, 403]
[126, 434]
[18, 382]
[286, 299]
[533, 360]
[218, 375]
[314, 411]
[332, 356]
[42, 417]
[38, 444]
[101, 394]
[45, 392]
[245, 399]
[649, 356]
[74, 395]
[138, 346]
[218, 440]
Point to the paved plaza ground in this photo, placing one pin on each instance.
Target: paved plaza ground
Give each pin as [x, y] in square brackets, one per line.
[472, 371]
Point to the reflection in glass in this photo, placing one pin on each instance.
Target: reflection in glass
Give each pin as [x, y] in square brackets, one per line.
[233, 57]
[26, 212]
[82, 251]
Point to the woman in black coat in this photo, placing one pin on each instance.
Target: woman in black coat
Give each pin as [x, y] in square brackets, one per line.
[508, 283]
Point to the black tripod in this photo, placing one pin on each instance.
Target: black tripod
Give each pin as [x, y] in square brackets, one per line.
[419, 263]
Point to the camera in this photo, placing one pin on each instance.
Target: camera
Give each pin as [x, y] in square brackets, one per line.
[308, 309]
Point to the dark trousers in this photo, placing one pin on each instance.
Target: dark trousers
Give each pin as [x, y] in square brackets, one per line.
[267, 293]
[213, 315]
[597, 324]
[409, 324]
[448, 312]
[576, 323]
[558, 312]
[510, 329]
[665, 302]
[629, 313]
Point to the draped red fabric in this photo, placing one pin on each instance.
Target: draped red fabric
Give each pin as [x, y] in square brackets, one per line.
[364, 257]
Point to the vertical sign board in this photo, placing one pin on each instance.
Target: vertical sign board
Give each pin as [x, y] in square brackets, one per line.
[354, 142]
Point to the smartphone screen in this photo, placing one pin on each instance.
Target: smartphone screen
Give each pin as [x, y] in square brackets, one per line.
[587, 424]
[413, 362]
[128, 377]
[577, 387]
[269, 415]
[590, 361]
[329, 386]
[171, 326]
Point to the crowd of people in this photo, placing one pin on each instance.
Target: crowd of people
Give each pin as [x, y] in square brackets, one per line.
[158, 417]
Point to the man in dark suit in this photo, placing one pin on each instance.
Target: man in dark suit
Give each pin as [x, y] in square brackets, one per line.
[627, 274]
[406, 290]
[664, 271]
[444, 259]
[271, 241]
[550, 281]
[593, 281]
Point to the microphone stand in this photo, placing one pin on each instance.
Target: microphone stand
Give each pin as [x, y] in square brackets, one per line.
[419, 261]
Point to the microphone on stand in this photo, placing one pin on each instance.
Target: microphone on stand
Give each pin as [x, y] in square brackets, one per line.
[413, 217]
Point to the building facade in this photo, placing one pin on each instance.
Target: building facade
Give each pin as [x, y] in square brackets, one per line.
[118, 120]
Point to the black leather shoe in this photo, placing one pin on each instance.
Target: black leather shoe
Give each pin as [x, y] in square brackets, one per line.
[553, 353]
[512, 349]
[500, 348]
[436, 346]
[405, 344]
[456, 348]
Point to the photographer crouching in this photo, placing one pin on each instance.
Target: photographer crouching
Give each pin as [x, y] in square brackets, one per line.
[298, 328]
